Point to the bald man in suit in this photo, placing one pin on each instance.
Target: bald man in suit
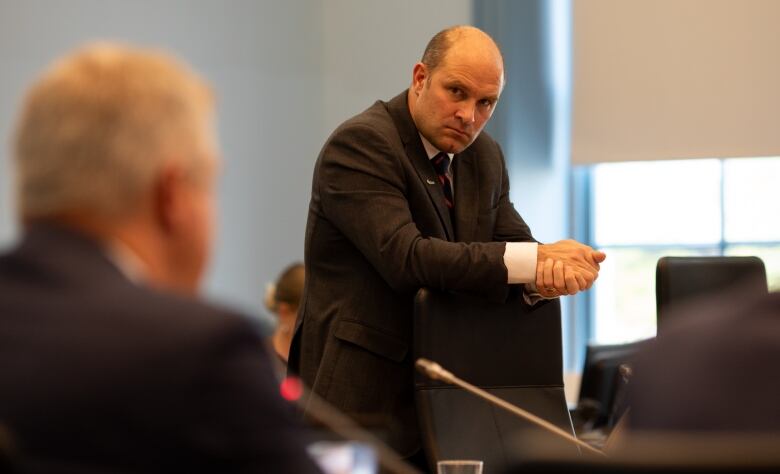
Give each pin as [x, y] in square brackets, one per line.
[389, 215]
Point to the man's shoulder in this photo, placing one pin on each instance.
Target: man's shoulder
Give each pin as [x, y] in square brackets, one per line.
[376, 117]
[88, 286]
[381, 118]
[485, 144]
[185, 318]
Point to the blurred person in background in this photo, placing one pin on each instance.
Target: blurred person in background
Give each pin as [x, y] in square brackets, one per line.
[283, 298]
[109, 360]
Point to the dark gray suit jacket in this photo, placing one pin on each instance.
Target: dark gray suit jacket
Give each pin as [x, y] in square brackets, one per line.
[98, 374]
[378, 230]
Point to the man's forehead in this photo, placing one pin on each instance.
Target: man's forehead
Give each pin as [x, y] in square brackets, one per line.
[474, 59]
[488, 80]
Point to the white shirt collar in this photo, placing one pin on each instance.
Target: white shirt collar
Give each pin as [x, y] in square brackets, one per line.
[128, 263]
[432, 150]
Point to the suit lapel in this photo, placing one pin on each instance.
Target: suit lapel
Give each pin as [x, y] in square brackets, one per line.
[466, 195]
[415, 151]
[428, 178]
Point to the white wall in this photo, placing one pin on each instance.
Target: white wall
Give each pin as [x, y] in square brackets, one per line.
[286, 73]
[673, 79]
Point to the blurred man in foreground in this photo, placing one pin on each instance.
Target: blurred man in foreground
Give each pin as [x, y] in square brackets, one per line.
[108, 360]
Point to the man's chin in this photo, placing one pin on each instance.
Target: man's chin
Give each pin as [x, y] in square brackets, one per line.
[457, 146]
[452, 144]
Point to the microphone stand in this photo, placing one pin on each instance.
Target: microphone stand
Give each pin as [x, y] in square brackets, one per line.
[322, 412]
[437, 372]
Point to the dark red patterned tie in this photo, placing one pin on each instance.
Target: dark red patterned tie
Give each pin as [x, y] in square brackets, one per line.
[441, 164]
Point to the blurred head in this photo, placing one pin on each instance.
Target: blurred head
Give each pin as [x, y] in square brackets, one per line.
[288, 289]
[455, 87]
[113, 137]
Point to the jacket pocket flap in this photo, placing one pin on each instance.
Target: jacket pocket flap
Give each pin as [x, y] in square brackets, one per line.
[372, 340]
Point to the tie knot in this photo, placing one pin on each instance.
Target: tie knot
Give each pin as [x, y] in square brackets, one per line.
[441, 163]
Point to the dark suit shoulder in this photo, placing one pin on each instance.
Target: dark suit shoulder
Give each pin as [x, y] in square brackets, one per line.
[171, 320]
[374, 121]
[485, 140]
[365, 147]
[486, 146]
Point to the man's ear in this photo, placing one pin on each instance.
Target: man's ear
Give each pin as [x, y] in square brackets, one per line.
[287, 310]
[282, 307]
[419, 76]
[169, 198]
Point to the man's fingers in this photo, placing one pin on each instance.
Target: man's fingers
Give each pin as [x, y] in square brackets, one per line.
[540, 275]
[567, 267]
[583, 282]
[558, 277]
[571, 252]
[572, 280]
[548, 274]
[594, 257]
[589, 276]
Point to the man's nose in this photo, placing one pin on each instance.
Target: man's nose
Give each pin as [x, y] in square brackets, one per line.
[467, 112]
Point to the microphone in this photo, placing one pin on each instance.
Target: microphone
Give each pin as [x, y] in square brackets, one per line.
[437, 372]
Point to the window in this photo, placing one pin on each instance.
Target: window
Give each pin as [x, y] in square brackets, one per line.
[644, 210]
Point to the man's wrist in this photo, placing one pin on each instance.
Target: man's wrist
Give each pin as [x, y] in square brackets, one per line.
[520, 262]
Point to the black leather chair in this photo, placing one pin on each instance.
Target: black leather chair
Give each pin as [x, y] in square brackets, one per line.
[511, 350]
[6, 450]
[601, 381]
[683, 279]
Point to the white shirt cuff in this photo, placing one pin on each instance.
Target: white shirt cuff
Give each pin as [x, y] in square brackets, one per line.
[520, 261]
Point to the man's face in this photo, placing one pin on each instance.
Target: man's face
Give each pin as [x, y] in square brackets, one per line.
[453, 103]
[194, 224]
[203, 221]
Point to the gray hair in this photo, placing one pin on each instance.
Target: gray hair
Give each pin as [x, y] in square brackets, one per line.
[96, 127]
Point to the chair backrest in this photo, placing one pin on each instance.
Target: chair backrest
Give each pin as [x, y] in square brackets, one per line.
[681, 279]
[511, 350]
[6, 450]
[599, 379]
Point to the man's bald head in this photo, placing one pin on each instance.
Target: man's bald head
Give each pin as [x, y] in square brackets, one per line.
[442, 42]
[455, 87]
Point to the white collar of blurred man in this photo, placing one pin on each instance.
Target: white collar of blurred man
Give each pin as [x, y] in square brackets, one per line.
[118, 144]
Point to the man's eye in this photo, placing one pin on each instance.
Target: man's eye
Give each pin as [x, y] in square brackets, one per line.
[486, 103]
[456, 91]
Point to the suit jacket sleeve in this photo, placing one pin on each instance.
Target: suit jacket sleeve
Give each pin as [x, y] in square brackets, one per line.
[363, 190]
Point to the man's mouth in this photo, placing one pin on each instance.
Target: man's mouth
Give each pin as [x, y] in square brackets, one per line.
[459, 132]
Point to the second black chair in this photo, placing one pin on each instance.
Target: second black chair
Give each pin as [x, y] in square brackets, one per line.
[682, 279]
